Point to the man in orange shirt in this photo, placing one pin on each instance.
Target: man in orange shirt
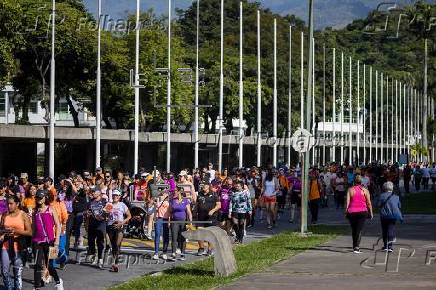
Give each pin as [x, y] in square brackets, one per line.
[284, 189]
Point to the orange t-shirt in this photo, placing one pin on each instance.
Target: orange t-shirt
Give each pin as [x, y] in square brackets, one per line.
[16, 223]
[314, 190]
[284, 182]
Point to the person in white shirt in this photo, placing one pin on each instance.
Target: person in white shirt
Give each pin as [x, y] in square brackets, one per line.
[425, 176]
[211, 172]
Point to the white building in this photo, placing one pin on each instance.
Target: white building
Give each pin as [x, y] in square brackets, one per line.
[37, 113]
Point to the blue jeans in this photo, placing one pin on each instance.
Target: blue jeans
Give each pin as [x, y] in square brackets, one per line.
[12, 258]
[161, 228]
[78, 221]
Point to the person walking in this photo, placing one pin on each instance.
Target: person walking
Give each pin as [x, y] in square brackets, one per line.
[390, 212]
[180, 211]
[269, 192]
[46, 230]
[240, 206]
[358, 209]
[118, 217]
[314, 195]
[14, 225]
[417, 175]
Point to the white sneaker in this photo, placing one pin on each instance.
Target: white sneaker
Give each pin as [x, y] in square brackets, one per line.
[178, 252]
[100, 263]
[60, 285]
[155, 257]
[164, 257]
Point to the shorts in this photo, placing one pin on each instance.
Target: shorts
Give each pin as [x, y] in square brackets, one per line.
[295, 198]
[222, 217]
[239, 216]
[269, 199]
[205, 218]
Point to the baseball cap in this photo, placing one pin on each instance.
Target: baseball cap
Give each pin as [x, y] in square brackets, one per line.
[40, 194]
[145, 174]
[116, 192]
[48, 179]
[98, 169]
[24, 175]
[183, 173]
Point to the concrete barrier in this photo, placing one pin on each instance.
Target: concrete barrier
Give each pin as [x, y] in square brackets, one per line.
[224, 259]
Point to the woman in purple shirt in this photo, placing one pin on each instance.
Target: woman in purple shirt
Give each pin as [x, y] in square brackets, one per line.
[180, 211]
[224, 195]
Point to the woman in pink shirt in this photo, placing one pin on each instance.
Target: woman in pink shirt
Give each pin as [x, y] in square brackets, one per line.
[358, 209]
[162, 228]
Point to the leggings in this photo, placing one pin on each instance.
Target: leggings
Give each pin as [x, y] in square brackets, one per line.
[116, 238]
[12, 258]
[41, 263]
[238, 220]
[96, 234]
[69, 228]
[161, 229]
[178, 241]
[357, 222]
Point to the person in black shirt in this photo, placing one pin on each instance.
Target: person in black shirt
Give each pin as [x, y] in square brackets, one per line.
[97, 220]
[79, 207]
[207, 205]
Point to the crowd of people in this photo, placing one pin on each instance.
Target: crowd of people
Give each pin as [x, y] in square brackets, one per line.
[39, 219]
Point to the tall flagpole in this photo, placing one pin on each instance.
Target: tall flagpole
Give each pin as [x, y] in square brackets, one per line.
[350, 134]
[52, 93]
[370, 115]
[323, 106]
[314, 150]
[98, 97]
[259, 97]
[357, 114]
[376, 117]
[302, 81]
[334, 107]
[221, 101]
[241, 88]
[382, 119]
[396, 120]
[197, 89]
[169, 92]
[275, 97]
[342, 108]
[364, 114]
[393, 121]
[136, 138]
[400, 117]
[290, 97]
[387, 119]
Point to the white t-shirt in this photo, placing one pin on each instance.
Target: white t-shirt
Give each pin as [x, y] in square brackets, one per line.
[270, 188]
[118, 212]
[212, 175]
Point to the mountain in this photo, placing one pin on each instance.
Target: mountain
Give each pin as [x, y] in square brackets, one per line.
[334, 13]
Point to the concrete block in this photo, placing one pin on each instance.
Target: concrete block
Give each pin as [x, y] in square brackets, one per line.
[224, 259]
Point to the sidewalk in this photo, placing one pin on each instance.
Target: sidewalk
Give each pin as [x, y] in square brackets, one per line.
[334, 266]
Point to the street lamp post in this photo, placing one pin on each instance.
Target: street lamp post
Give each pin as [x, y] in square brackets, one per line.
[169, 91]
[370, 115]
[334, 107]
[350, 133]
[197, 89]
[275, 97]
[342, 108]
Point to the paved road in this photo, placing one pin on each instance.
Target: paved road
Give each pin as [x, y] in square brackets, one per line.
[88, 277]
[334, 266]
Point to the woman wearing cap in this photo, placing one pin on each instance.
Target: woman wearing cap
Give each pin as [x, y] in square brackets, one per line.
[97, 216]
[46, 232]
[118, 217]
[269, 192]
[180, 211]
[224, 194]
[358, 207]
[14, 224]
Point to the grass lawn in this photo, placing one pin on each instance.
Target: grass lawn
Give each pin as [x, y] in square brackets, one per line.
[420, 203]
[250, 258]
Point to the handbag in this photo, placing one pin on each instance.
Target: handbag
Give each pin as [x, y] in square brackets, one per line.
[53, 251]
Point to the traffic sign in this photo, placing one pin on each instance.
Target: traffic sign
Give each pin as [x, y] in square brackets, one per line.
[302, 141]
